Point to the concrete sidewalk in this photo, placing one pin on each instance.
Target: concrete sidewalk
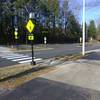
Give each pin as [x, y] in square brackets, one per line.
[82, 73]
[4, 49]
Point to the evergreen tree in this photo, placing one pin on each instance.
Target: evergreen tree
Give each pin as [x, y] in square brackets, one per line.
[92, 29]
[98, 32]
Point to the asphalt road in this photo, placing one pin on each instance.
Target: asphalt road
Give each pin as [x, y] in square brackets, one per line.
[44, 89]
[49, 91]
[61, 50]
[57, 50]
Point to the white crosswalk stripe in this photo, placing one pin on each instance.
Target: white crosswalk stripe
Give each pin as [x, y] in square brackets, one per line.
[22, 59]
[13, 57]
[16, 57]
[19, 58]
[27, 61]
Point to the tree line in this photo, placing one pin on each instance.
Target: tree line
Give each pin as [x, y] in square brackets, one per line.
[92, 30]
[52, 19]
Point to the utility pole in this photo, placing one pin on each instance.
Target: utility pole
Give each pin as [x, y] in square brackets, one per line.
[83, 30]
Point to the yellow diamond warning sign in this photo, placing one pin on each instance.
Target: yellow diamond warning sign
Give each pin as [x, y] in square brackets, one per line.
[15, 33]
[30, 26]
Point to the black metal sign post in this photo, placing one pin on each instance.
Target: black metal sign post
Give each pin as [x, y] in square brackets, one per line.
[32, 45]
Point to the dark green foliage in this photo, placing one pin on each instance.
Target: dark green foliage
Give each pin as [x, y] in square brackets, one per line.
[74, 30]
[92, 29]
[15, 13]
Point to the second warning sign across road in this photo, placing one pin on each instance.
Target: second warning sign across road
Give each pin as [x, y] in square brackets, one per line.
[30, 26]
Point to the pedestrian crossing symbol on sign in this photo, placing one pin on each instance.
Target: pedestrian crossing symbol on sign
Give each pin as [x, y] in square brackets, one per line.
[30, 37]
[30, 26]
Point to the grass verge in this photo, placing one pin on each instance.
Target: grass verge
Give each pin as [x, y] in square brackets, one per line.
[14, 78]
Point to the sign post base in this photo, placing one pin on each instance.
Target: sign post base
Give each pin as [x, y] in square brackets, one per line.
[33, 63]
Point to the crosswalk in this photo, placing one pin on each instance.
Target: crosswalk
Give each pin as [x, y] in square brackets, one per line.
[19, 58]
